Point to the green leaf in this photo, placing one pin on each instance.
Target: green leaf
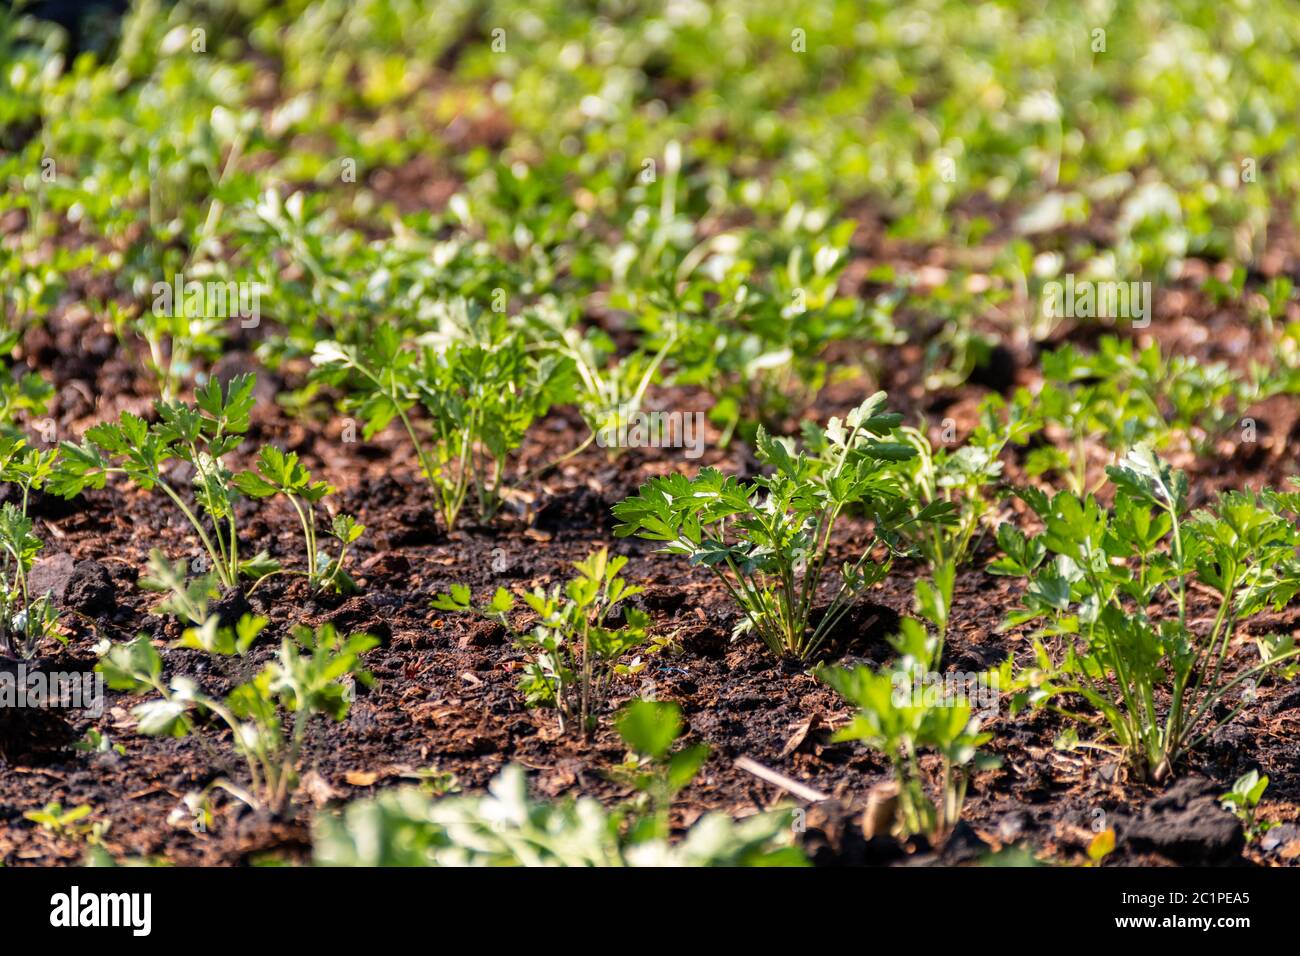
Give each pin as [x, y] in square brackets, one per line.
[162, 718]
[247, 483]
[685, 764]
[648, 728]
[132, 667]
[457, 600]
[1142, 476]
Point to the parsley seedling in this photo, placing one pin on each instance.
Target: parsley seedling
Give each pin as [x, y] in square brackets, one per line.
[307, 678]
[768, 541]
[479, 389]
[575, 654]
[24, 620]
[901, 714]
[201, 436]
[1159, 680]
[1243, 801]
[282, 474]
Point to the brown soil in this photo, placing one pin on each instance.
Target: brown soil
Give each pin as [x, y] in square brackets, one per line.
[444, 692]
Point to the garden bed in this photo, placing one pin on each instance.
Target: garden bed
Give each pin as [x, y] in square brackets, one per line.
[963, 325]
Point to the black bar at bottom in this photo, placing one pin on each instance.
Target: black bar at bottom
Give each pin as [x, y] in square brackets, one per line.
[331, 906]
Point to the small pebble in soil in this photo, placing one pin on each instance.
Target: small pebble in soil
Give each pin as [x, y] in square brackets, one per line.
[1279, 837]
[1014, 825]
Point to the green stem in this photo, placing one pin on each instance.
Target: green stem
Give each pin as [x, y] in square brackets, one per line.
[307, 537]
[213, 553]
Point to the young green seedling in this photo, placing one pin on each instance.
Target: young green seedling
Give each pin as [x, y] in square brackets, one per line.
[966, 477]
[201, 436]
[24, 620]
[575, 655]
[649, 729]
[71, 824]
[1243, 800]
[24, 392]
[604, 389]
[186, 596]
[278, 473]
[96, 742]
[901, 713]
[479, 396]
[307, 678]
[1160, 682]
[768, 542]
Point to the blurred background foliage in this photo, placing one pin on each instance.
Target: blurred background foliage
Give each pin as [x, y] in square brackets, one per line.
[650, 158]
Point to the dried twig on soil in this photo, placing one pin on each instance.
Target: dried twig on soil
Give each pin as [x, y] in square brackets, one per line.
[793, 787]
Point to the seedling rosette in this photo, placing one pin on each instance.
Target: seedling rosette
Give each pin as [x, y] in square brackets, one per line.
[200, 435]
[575, 654]
[1160, 684]
[769, 541]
